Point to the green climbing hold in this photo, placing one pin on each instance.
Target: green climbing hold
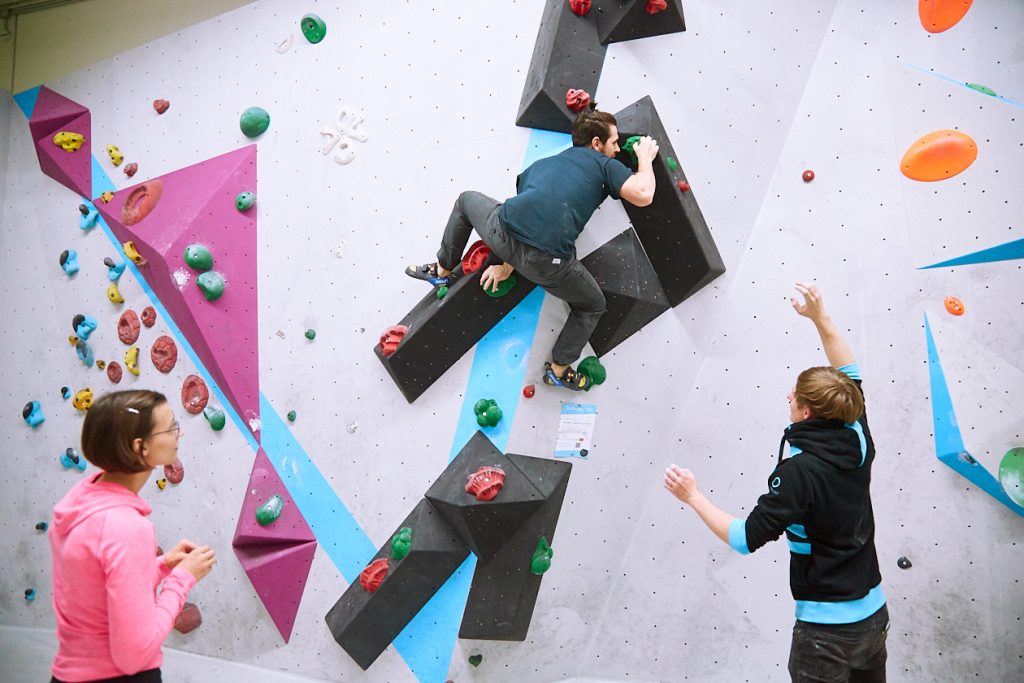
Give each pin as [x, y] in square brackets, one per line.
[215, 416]
[592, 368]
[212, 284]
[504, 287]
[292, 415]
[476, 659]
[270, 511]
[198, 257]
[311, 334]
[313, 27]
[673, 165]
[541, 561]
[1011, 474]
[244, 201]
[254, 122]
[487, 412]
[631, 142]
[441, 292]
[982, 89]
[401, 542]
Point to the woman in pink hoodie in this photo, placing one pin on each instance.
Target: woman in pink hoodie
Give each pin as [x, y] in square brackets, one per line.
[111, 623]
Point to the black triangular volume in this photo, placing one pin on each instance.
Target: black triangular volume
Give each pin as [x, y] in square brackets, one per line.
[621, 20]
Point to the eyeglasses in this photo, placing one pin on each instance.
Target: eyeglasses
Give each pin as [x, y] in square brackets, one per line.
[175, 428]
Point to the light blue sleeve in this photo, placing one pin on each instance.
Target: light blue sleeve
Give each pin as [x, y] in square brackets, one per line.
[738, 536]
[851, 370]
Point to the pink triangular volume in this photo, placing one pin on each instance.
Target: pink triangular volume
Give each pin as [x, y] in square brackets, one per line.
[53, 114]
[276, 557]
[196, 205]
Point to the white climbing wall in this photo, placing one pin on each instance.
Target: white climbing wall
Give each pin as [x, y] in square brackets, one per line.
[639, 590]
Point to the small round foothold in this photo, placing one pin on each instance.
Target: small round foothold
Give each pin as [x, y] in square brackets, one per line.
[254, 122]
[673, 165]
[441, 292]
[808, 176]
[65, 392]
[904, 563]
[175, 472]
[244, 201]
[101, 364]
[954, 306]
[42, 526]
[211, 283]
[161, 484]
[164, 354]
[30, 594]
[198, 257]
[683, 186]
[529, 391]
[148, 316]
[311, 334]
[131, 169]
[292, 415]
[401, 543]
[161, 106]
[313, 27]
[476, 659]
[114, 372]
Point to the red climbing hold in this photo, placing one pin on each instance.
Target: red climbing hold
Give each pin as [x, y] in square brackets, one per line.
[580, 7]
[148, 316]
[141, 201]
[808, 176]
[194, 394]
[577, 100]
[373, 576]
[174, 472]
[476, 257]
[161, 106]
[189, 618]
[131, 169]
[391, 338]
[128, 327]
[114, 371]
[529, 391]
[164, 353]
[655, 6]
[683, 186]
[486, 482]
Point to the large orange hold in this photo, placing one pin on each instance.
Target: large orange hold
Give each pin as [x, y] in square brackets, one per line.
[940, 15]
[939, 155]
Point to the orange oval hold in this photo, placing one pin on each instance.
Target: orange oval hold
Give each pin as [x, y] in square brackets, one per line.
[954, 306]
[939, 155]
[941, 15]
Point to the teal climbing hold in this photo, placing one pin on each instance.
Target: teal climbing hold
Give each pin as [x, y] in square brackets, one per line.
[269, 512]
[487, 412]
[212, 284]
[198, 257]
[254, 122]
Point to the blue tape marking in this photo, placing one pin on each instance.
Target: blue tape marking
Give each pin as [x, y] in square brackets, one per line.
[26, 100]
[949, 444]
[1001, 252]
[963, 84]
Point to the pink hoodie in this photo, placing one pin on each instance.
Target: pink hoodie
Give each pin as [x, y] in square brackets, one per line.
[110, 622]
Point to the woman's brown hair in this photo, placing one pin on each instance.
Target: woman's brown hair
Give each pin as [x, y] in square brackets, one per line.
[112, 424]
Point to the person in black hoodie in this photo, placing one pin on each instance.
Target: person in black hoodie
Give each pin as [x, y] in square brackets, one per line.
[819, 497]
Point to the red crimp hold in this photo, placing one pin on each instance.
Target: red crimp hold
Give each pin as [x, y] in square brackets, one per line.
[391, 338]
[373, 576]
[683, 186]
[476, 257]
[579, 7]
[486, 482]
[577, 100]
[655, 6]
[529, 391]
[128, 327]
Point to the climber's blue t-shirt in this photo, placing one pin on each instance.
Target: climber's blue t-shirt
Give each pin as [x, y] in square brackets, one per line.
[557, 195]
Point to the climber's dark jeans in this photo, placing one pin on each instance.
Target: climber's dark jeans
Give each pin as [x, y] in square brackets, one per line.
[853, 653]
[564, 277]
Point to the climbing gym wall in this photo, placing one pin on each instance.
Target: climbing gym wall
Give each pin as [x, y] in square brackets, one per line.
[909, 223]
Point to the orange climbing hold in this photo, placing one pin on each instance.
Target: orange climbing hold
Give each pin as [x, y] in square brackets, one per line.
[954, 306]
[939, 155]
[941, 15]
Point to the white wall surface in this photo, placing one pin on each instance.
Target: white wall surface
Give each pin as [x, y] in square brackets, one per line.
[752, 94]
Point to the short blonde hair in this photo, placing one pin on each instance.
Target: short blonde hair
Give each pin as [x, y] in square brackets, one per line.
[830, 394]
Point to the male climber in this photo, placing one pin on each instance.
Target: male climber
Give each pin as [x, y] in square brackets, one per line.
[535, 232]
[819, 496]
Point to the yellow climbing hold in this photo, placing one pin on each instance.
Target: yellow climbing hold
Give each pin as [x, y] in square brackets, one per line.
[131, 360]
[131, 252]
[114, 294]
[68, 141]
[116, 158]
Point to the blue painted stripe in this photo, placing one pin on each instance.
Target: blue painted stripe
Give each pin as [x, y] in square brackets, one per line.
[857, 427]
[799, 548]
[1001, 252]
[845, 612]
[26, 100]
[738, 536]
[797, 530]
[949, 444]
[963, 84]
[851, 370]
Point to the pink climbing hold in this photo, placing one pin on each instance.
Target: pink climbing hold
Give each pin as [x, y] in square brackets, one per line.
[579, 7]
[655, 6]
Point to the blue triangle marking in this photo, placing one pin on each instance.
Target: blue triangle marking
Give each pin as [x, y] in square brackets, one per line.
[26, 100]
[1001, 252]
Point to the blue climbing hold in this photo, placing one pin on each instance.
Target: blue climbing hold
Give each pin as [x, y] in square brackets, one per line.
[69, 261]
[89, 216]
[33, 414]
[115, 269]
[84, 352]
[83, 325]
[70, 458]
